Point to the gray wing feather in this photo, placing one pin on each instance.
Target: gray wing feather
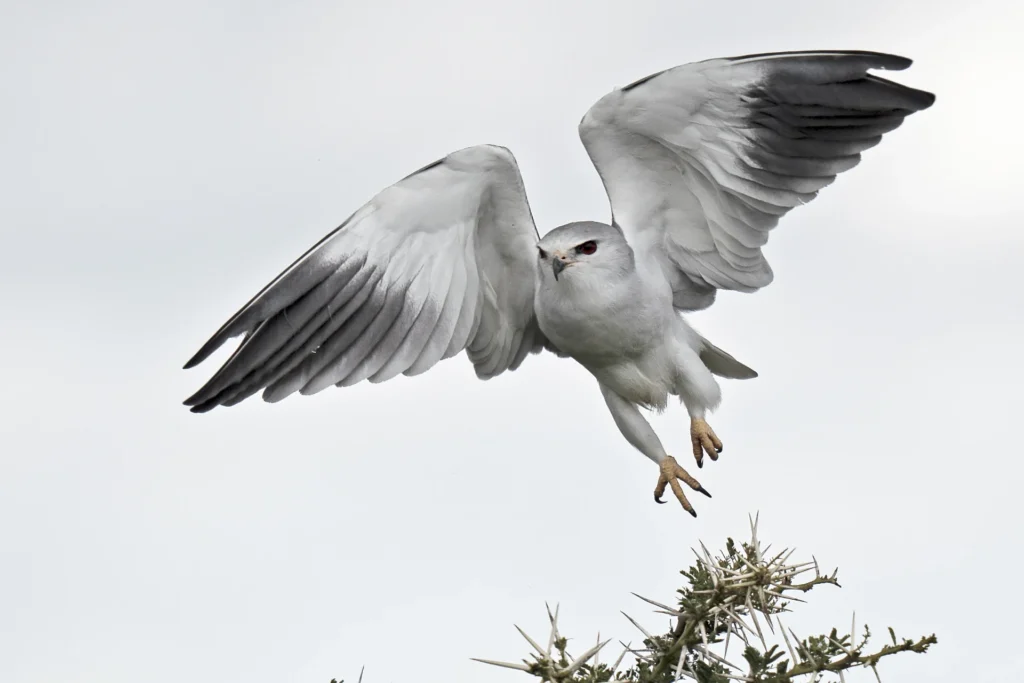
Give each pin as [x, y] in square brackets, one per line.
[438, 263]
[700, 161]
[436, 347]
[426, 320]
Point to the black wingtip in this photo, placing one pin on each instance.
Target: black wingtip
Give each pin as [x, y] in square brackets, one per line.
[199, 402]
[912, 99]
[203, 407]
[194, 399]
[927, 98]
[879, 60]
[214, 343]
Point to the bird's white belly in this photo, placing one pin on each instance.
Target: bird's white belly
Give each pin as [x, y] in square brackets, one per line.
[623, 337]
[647, 381]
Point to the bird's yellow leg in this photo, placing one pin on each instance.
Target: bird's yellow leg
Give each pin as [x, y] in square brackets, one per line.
[639, 433]
[704, 440]
[670, 475]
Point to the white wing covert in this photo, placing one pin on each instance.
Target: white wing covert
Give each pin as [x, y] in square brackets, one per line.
[439, 262]
[700, 161]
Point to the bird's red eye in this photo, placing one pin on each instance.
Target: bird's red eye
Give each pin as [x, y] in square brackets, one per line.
[587, 248]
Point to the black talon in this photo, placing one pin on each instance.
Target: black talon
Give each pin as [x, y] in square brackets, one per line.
[693, 512]
[704, 491]
[656, 500]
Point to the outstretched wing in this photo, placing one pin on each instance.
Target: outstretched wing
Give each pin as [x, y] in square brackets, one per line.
[702, 160]
[439, 262]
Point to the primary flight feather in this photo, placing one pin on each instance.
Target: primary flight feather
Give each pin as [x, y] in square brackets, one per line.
[699, 163]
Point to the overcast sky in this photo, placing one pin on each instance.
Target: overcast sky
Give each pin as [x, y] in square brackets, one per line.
[159, 162]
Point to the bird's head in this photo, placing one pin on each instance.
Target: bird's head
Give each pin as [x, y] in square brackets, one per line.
[583, 250]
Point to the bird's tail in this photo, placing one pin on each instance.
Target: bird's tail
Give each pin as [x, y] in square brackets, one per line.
[722, 364]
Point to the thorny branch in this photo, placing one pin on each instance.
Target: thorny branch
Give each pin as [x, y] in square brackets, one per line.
[732, 598]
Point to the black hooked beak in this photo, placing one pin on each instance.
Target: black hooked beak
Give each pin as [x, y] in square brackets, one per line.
[557, 265]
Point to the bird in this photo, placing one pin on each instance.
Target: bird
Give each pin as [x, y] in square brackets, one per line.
[699, 162]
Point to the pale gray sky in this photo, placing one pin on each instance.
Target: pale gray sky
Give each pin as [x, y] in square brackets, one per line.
[162, 161]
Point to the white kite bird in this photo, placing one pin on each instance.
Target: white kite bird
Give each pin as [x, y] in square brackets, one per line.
[699, 163]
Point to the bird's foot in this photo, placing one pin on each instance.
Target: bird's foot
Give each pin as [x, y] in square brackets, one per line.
[671, 473]
[704, 440]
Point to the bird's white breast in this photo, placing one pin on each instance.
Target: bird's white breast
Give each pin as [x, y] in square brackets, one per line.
[619, 329]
